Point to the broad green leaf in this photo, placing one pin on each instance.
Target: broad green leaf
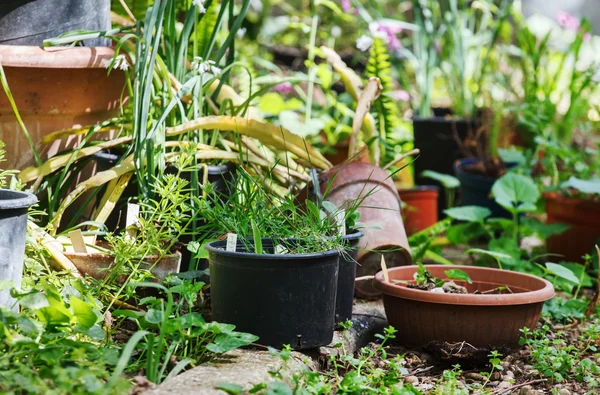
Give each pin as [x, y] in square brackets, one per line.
[291, 121]
[271, 103]
[6, 284]
[226, 342]
[83, 312]
[35, 300]
[512, 156]
[516, 193]
[508, 246]
[458, 274]
[446, 180]
[154, 316]
[584, 186]
[562, 272]
[468, 213]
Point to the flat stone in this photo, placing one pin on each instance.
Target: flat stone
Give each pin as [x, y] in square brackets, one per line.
[243, 367]
[248, 367]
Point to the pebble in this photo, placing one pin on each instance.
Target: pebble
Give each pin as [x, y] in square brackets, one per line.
[412, 380]
[496, 376]
[526, 390]
[564, 391]
[508, 375]
[474, 376]
[504, 384]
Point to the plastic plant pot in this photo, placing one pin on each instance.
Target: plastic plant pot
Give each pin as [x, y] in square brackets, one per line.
[13, 230]
[476, 189]
[436, 139]
[421, 210]
[482, 320]
[347, 274]
[52, 18]
[583, 218]
[281, 298]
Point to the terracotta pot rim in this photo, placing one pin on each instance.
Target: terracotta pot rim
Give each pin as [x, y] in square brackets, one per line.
[420, 189]
[563, 199]
[545, 291]
[55, 57]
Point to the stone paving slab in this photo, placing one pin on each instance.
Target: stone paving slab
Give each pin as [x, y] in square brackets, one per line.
[250, 367]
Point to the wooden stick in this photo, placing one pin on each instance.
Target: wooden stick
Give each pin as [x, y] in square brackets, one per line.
[400, 158]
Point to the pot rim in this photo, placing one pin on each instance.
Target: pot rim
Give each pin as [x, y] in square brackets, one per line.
[530, 297]
[563, 199]
[355, 235]
[419, 189]
[26, 56]
[15, 200]
[211, 247]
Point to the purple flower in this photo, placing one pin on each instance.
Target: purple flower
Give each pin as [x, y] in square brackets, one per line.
[284, 87]
[390, 35]
[567, 21]
[400, 95]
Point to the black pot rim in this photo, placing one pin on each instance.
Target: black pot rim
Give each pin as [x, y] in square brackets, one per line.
[458, 168]
[15, 200]
[212, 247]
[355, 235]
[438, 119]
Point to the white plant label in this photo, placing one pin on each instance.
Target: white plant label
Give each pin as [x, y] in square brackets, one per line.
[231, 242]
[340, 218]
[77, 241]
[133, 213]
[386, 276]
[280, 250]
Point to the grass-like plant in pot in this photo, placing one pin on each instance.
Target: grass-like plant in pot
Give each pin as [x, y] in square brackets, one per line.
[279, 279]
[480, 306]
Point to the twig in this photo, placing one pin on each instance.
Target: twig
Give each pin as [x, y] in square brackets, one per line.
[400, 158]
[516, 386]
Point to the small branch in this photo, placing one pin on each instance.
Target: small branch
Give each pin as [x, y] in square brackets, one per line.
[400, 158]
[516, 386]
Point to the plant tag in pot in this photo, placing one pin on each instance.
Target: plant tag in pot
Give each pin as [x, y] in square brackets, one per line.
[340, 218]
[133, 212]
[280, 250]
[231, 242]
[77, 241]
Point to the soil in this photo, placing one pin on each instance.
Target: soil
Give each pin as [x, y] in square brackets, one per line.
[489, 167]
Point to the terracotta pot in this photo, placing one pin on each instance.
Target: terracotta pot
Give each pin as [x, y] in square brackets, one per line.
[97, 265]
[380, 208]
[422, 317]
[583, 218]
[421, 210]
[55, 89]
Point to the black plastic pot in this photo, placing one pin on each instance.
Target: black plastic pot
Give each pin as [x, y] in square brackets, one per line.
[13, 229]
[283, 299]
[435, 138]
[346, 276]
[30, 22]
[476, 190]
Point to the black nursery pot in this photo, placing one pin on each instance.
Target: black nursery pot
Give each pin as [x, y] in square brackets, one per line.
[346, 276]
[435, 138]
[476, 189]
[283, 299]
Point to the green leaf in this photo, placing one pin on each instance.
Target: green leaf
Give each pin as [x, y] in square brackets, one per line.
[562, 272]
[584, 186]
[512, 156]
[6, 284]
[232, 389]
[83, 312]
[154, 316]
[271, 103]
[516, 193]
[448, 181]
[468, 213]
[226, 342]
[458, 274]
[291, 121]
[34, 301]
[497, 255]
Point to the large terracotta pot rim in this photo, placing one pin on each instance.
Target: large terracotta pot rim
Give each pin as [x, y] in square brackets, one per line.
[55, 57]
[543, 289]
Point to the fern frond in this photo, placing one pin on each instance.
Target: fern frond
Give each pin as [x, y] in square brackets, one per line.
[379, 65]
